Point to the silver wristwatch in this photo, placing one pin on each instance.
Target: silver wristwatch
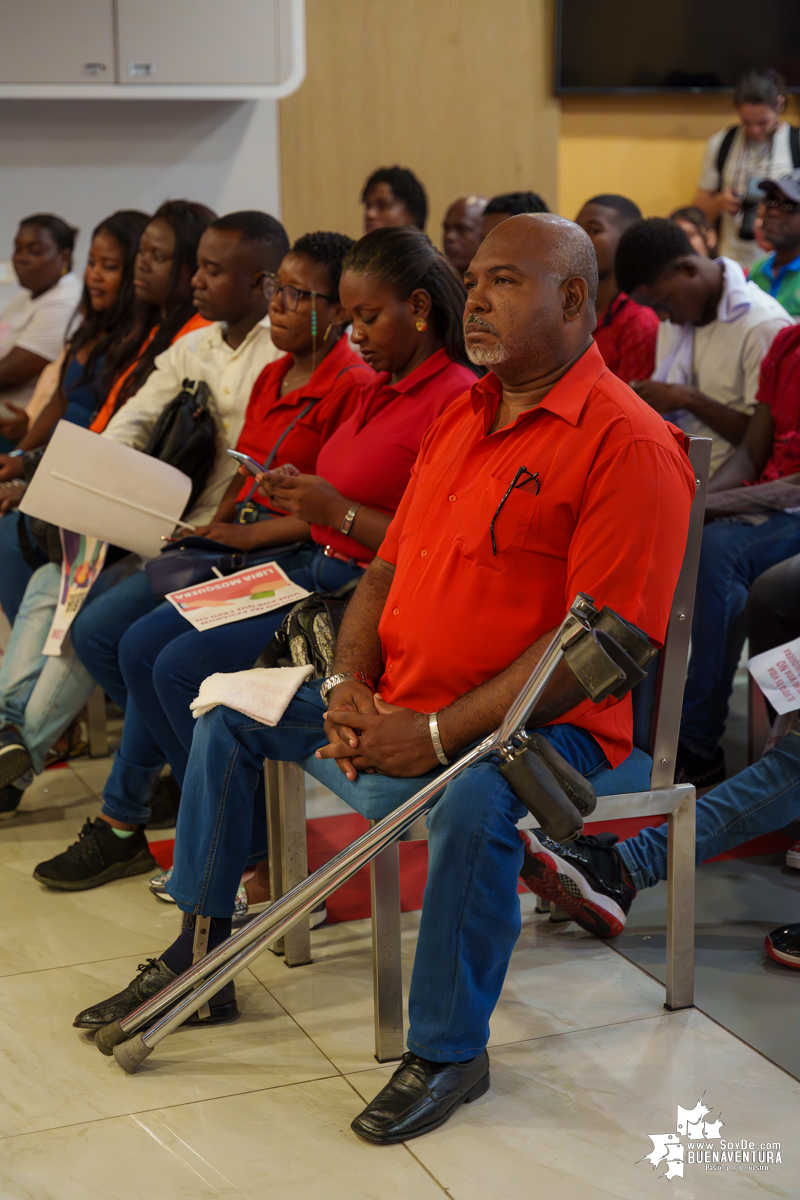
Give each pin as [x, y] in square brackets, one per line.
[342, 677]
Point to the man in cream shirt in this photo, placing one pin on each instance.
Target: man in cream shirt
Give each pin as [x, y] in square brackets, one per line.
[234, 255]
[716, 329]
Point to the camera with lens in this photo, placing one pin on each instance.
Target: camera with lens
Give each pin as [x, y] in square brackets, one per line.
[753, 199]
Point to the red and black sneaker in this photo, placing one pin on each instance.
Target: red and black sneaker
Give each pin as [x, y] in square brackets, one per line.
[784, 945]
[583, 877]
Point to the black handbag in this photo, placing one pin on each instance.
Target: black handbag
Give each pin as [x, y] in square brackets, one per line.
[195, 560]
[309, 631]
[185, 436]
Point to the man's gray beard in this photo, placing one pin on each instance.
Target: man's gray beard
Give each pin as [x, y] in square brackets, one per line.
[487, 356]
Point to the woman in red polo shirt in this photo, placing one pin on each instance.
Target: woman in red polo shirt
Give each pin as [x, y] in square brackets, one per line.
[407, 307]
[298, 401]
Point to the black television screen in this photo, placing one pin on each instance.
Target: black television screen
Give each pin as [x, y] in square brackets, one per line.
[673, 45]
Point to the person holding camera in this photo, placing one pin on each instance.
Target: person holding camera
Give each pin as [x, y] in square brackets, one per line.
[737, 159]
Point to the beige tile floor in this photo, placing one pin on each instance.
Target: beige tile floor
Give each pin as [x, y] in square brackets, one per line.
[586, 1063]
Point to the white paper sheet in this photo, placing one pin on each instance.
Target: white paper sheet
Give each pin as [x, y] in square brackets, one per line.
[777, 673]
[94, 486]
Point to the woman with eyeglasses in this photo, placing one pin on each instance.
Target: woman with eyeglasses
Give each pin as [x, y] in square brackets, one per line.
[406, 306]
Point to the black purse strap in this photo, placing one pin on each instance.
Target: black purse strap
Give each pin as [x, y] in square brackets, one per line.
[271, 457]
[290, 427]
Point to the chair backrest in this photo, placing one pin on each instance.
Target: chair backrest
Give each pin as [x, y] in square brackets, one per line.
[658, 700]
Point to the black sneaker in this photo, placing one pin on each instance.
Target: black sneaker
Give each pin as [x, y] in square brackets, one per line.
[154, 975]
[10, 797]
[784, 945]
[164, 803]
[702, 772]
[96, 858]
[584, 878]
[14, 758]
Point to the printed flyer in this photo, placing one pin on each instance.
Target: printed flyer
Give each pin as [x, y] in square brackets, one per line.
[82, 562]
[246, 594]
[777, 673]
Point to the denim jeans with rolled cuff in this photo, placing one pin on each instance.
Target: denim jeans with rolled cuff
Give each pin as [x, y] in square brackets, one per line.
[760, 799]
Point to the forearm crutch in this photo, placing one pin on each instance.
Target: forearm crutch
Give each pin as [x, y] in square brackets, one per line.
[606, 655]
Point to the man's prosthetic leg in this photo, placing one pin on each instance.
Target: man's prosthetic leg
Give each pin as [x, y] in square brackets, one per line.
[606, 655]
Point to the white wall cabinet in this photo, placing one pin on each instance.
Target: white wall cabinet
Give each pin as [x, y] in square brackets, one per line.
[66, 41]
[157, 49]
[197, 41]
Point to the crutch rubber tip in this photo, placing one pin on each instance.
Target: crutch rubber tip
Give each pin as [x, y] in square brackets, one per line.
[108, 1037]
[130, 1054]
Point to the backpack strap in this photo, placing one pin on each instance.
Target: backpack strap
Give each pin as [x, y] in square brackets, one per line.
[794, 145]
[724, 151]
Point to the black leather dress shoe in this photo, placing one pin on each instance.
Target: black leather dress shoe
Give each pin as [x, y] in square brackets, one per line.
[420, 1096]
[153, 976]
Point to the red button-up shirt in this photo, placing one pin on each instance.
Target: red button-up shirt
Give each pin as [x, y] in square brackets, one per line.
[334, 389]
[626, 337]
[370, 456]
[609, 518]
[779, 387]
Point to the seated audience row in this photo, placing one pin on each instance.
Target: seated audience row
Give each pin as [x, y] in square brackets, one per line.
[383, 461]
[451, 614]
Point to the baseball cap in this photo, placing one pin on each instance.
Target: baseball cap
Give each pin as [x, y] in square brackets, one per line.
[788, 184]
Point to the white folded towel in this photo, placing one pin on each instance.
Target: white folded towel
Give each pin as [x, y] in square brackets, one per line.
[263, 693]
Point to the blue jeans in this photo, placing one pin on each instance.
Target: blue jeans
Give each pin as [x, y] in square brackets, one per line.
[733, 555]
[99, 627]
[761, 799]
[162, 661]
[14, 571]
[40, 695]
[471, 915]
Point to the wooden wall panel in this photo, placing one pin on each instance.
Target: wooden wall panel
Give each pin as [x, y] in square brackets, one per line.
[460, 91]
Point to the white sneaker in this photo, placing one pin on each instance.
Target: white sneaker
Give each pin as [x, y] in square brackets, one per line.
[793, 856]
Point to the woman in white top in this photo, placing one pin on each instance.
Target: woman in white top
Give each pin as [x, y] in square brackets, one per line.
[739, 157]
[34, 323]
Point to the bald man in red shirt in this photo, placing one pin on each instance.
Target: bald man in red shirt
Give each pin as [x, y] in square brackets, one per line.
[548, 477]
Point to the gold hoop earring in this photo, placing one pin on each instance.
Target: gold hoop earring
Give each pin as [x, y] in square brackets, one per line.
[327, 331]
[421, 324]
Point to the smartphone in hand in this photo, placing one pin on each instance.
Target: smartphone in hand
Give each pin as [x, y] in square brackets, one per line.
[255, 468]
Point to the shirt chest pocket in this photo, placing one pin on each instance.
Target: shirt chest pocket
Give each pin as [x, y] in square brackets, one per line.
[513, 518]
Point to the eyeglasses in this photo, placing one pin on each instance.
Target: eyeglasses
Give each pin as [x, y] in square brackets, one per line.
[522, 477]
[785, 206]
[290, 296]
